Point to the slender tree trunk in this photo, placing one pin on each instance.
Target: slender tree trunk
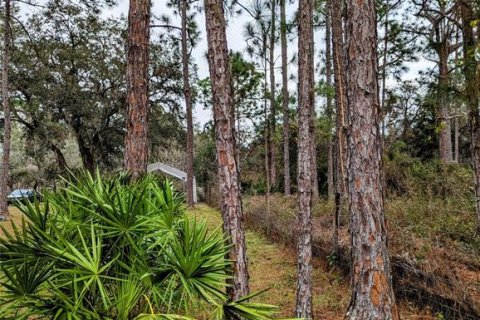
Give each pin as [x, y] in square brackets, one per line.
[445, 132]
[88, 159]
[336, 12]
[328, 72]
[304, 180]
[472, 78]
[61, 162]
[313, 126]
[267, 138]
[228, 174]
[271, 143]
[188, 104]
[136, 147]
[238, 137]
[313, 144]
[456, 155]
[4, 214]
[384, 68]
[285, 99]
[372, 292]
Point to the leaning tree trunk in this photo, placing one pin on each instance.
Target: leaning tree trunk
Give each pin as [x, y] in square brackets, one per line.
[4, 214]
[328, 73]
[372, 292]
[305, 163]
[136, 147]
[336, 14]
[228, 175]
[271, 142]
[285, 98]
[188, 105]
[470, 70]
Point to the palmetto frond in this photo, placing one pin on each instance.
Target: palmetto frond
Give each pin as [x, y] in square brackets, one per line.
[108, 248]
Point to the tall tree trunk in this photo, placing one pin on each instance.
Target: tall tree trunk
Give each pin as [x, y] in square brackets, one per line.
[238, 136]
[228, 175]
[4, 214]
[336, 12]
[313, 144]
[267, 137]
[372, 292]
[471, 72]
[188, 104]
[313, 126]
[328, 73]
[304, 178]
[384, 68]
[445, 132]
[271, 143]
[285, 99]
[136, 146]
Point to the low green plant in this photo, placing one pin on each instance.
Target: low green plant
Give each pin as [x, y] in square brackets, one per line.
[110, 248]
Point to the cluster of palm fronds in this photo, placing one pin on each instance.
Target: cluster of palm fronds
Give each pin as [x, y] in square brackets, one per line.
[114, 249]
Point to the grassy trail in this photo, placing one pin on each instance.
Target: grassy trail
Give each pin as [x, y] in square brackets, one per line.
[274, 266]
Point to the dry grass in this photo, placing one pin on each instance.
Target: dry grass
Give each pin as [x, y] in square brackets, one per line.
[274, 266]
[15, 218]
[436, 282]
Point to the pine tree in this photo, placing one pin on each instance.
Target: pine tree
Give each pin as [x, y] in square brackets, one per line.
[4, 214]
[304, 179]
[470, 69]
[136, 145]
[188, 103]
[372, 293]
[338, 55]
[285, 99]
[228, 174]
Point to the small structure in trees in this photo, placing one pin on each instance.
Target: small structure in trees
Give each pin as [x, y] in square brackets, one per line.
[173, 172]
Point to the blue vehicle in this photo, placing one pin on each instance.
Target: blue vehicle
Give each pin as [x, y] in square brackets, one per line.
[22, 195]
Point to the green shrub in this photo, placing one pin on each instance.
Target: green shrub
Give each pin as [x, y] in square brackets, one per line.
[115, 249]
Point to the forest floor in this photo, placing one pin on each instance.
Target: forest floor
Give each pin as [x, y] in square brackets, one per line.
[273, 265]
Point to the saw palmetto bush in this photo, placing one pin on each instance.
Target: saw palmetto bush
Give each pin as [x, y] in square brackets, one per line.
[114, 249]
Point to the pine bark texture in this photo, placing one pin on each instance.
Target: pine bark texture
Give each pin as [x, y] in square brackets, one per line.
[305, 163]
[472, 91]
[188, 104]
[338, 51]
[228, 175]
[285, 99]
[372, 293]
[136, 147]
[4, 214]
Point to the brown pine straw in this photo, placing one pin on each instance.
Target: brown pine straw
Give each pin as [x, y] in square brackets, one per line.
[438, 288]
